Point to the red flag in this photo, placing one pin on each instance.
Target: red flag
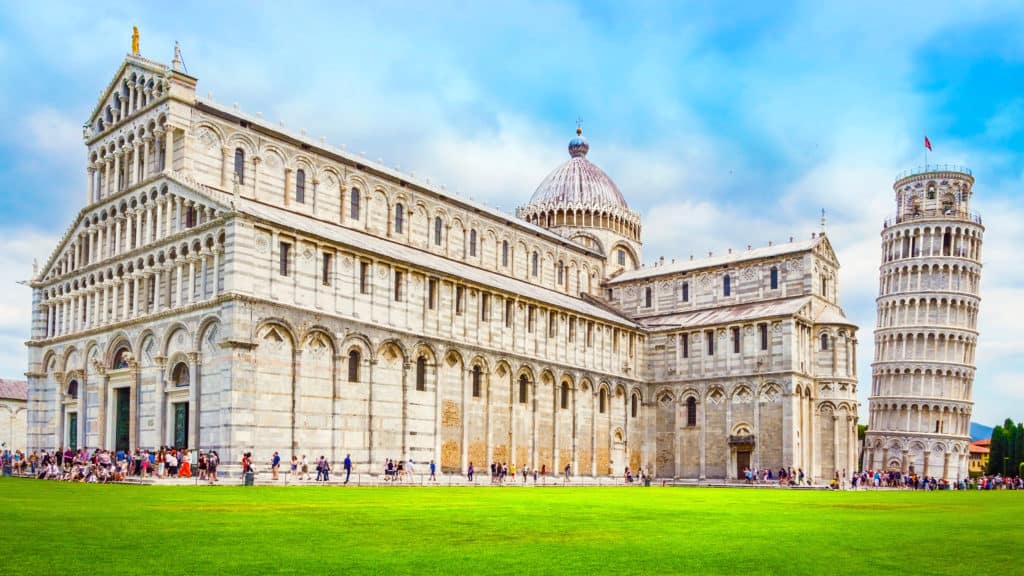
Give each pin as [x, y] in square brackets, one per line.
[927, 143]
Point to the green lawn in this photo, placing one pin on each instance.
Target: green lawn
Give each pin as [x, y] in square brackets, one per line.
[59, 528]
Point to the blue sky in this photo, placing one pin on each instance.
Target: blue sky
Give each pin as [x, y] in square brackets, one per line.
[723, 125]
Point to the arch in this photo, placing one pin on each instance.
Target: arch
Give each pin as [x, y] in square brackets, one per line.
[119, 353]
[170, 332]
[180, 375]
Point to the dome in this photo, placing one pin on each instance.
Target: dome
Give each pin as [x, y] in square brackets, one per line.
[578, 182]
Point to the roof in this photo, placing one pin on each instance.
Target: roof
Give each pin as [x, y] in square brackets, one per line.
[831, 314]
[980, 447]
[14, 389]
[402, 253]
[217, 108]
[578, 182]
[728, 314]
[733, 258]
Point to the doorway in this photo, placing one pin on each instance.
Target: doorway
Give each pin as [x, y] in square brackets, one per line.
[742, 462]
[122, 414]
[181, 424]
[73, 431]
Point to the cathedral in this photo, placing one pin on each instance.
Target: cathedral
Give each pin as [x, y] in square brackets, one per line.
[232, 285]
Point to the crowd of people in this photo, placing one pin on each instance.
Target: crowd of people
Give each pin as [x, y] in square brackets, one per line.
[782, 477]
[899, 480]
[98, 465]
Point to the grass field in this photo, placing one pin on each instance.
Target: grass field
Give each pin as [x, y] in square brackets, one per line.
[58, 528]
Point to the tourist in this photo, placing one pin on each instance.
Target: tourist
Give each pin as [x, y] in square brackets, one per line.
[409, 470]
[469, 473]
[275, 465]
[348, 466]
[433, 469]
[185, 467]
[293, 468]
[323, 469]
[304, 468]
[567, 469]
[214, 460]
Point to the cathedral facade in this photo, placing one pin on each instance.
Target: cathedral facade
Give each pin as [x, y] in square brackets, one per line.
[232, 285]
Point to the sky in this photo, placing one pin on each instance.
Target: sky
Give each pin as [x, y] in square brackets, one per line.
[723, 124]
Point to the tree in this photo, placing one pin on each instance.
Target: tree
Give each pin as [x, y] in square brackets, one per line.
[997, 449]
[1006, 453]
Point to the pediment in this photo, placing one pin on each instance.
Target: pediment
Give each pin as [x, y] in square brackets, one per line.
[824, 250]
[134, 71]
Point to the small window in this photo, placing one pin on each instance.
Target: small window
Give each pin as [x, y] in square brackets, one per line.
[691, 411]
[633, 406]
[565, 396]
[602, 400]
[399, 218]
[72, 391]
[239, 165]
[531, 317]
[572, 329]
[472, 242]
[560, 274]
[460, 294]
[735, 340]
[727, 285]
[509, 312]
[621, 255]
[763, 329]
[300, 186]
[179, 376]
[534, 264]
[325, 272]
[485, 307]
[476, 381]
[522, 389]
[775, 278]
[552, 324]
[421, 373]
[709, 335]
[353, 209]
[504, 253]
[399, 277]
[364, 277]
[824, 341]
[431, 293]
[611, 295]
[647, 297]
[590, 334]
[283, 258]
[353, 365]
[190, 218]
[686, 291]
[438, 226]
[686, 345]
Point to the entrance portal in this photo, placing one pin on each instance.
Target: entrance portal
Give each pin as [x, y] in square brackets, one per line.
[181, 424]
[122, 416]
[73, 431]
[742, 462]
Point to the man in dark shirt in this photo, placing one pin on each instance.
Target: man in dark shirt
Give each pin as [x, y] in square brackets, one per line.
[348, 466]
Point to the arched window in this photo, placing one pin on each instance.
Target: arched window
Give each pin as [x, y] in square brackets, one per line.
[476, 381]
[472, 242]
[726, 285]
[353, 209]
[438, 225]
[622, 257]
[399, 218]
[300, 186]
[504, 252]
[691, 411]
[602, 398]
[565, 395]
[72, 391]
[775, 278]
[240, 165]
[648, 297]
[561, 273]
[824, 341]
[421, 373]
[633, 406]
[534, 264]
[121, 358]
[179, 376]
[523, 382]
[353, 365]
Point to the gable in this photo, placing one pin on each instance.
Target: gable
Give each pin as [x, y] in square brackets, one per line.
[137, 84]
[115, 206]
[824, 250]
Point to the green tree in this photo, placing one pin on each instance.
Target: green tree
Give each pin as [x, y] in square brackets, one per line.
[997, 449]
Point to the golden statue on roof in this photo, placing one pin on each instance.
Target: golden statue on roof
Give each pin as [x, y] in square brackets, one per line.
[135, 40]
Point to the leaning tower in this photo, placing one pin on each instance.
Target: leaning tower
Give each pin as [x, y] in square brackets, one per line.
[926, 333]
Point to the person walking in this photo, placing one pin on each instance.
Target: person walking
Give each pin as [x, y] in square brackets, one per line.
[304, 468]
[433, 470]
[469, 473]
[275, 465]
[323, 469]
[348, 466]
[293, 470]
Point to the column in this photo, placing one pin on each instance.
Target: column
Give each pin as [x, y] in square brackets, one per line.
[193, 403]
[191, 287]
[836, 462]
[102, 419]
[169, 149]
[157, 301]
[288, 188]
[216, 272]
[160, 201]
[118, 154]
[124, 296]
[108, 170]
[139, 238]
[136, 284]
[117, 235]
[179, 211]
[145, 155]
[225, 153]
[158, 132]
[91, 171]
[179, 266]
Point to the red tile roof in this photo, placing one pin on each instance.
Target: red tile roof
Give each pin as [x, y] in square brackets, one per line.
[14, 389]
